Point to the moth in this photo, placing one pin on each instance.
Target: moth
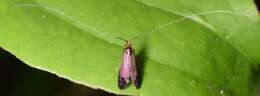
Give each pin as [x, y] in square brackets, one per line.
[128, 72]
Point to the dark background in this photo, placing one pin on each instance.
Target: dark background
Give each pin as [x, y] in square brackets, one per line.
[18, 79]
[257, 2]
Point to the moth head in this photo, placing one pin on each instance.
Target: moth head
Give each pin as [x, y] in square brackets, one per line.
[128, 47]
[127, 42]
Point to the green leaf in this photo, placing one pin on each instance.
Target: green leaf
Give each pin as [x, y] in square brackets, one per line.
[198, 48]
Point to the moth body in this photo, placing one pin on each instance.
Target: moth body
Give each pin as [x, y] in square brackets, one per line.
[128, 71]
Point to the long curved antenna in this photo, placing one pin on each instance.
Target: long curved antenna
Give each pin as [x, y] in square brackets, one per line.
[77, 22]
[182, 19]
[120, 38]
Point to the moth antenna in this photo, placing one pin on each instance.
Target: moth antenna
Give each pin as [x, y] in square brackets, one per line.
[184, 18]
[120, 38]
[135, 37]
[127, 42]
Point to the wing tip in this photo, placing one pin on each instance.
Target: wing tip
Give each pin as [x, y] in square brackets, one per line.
[121, 83]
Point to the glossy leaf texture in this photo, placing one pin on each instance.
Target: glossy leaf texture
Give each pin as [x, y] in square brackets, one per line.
[184, 48]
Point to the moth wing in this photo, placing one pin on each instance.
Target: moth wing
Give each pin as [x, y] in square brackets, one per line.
[122, 84]
[135, 76]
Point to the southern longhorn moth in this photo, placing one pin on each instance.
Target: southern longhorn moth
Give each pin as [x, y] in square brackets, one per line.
[128, 71]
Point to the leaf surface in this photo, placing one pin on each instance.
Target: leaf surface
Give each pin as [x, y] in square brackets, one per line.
[183, 48]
